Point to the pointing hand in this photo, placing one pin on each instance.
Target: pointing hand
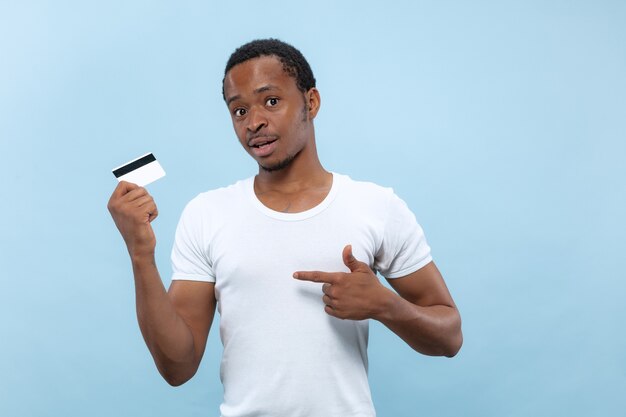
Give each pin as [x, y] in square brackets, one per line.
[355, 295]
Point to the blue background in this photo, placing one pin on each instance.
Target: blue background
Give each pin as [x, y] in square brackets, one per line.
[502, 124]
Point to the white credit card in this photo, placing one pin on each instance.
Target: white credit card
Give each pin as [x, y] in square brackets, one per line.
[141, 171]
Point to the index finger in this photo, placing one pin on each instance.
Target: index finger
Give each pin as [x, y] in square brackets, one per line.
[123, 188]
[315, 276]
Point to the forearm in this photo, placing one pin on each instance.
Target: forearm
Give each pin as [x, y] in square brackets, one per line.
[432, 330]
[167, 336]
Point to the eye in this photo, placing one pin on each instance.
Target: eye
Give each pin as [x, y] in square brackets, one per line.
[238, 112]
[271, 102]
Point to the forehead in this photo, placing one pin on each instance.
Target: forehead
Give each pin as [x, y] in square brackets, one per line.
[256, 73]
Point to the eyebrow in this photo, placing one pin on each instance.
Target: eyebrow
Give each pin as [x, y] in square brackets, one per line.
[259, 90]
[265, 88]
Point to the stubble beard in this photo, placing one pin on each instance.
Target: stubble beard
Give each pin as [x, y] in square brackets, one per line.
[280, 164]
[290, 158]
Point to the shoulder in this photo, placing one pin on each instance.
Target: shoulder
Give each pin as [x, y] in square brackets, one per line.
[365, 191]
[372, 198]
[227, 193]
[365, 187]
[218, 200]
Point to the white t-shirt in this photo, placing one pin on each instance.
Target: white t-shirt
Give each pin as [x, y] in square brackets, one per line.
[283, 355]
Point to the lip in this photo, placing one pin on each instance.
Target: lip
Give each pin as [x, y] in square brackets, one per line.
[259, 139]
[264, 150]
[264, 145]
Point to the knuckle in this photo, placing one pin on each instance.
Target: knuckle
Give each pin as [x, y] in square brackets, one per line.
[113, 206]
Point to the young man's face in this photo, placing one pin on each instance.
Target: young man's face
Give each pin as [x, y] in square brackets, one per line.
[271, 116]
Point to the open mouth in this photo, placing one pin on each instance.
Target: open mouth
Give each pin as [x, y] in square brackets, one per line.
[262, 145]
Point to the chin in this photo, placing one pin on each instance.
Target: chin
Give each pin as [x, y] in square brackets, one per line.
[279, 165]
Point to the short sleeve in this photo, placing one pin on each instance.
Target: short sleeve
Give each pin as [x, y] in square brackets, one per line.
[190, 258]
[404, 248]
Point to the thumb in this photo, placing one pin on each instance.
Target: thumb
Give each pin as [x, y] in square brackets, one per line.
[350, 261]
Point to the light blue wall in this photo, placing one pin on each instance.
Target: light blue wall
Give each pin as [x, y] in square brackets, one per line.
[502, 124]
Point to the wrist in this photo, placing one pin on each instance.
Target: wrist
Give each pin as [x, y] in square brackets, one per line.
[384, 307]
[141, 257]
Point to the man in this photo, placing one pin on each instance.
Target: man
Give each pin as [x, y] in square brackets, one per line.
[288, 256]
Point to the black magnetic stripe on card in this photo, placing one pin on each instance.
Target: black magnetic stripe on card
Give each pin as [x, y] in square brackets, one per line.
[134, 165]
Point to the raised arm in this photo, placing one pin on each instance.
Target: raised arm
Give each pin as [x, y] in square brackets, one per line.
[175, 324]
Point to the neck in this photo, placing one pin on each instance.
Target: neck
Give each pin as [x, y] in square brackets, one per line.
[305, 171]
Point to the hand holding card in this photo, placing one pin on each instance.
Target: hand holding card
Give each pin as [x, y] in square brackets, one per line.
[141, 171]
[133, 209]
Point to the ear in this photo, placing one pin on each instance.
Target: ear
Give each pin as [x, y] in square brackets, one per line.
[313, 102]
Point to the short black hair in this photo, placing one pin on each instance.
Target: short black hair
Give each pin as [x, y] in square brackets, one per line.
[292, 59]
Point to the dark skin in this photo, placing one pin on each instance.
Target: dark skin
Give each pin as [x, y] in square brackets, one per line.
[273, 121]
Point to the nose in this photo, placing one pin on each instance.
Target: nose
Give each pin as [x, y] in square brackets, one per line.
[256, 120]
